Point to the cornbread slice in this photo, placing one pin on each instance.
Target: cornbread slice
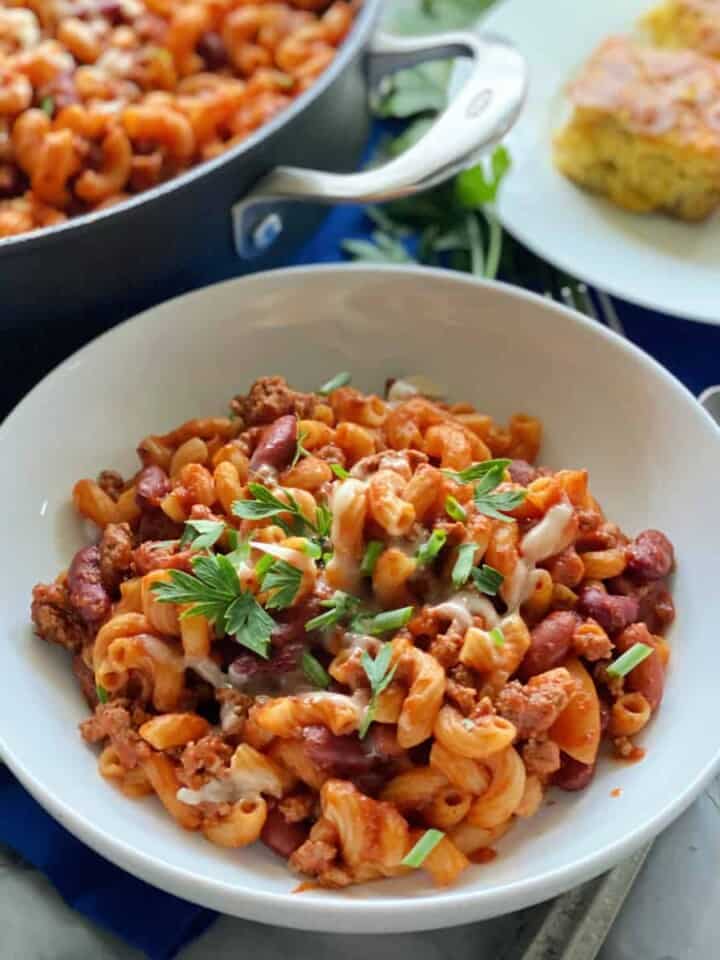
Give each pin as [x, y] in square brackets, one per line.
[686, 23]
[645, 130]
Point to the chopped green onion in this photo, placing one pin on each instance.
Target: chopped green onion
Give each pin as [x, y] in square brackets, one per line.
[340, 605]
[340, 472]
[629, 660]
[102, 694]
[315, 671]
[463, 565]
[487, 579]
[47, 105]
[372, 553]
[387, 620]
[432, 547]
[423, 848]
[339, 380]
[312, 549]
[497, 637]
[455, 510]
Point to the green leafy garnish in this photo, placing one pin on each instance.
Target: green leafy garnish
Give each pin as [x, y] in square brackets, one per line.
[371, 556]
[497, 637]
[496, 505]
[340, 472]
[463, 565]
[429, 550]
[47, 105]
[487, 579]
[315, 671]
[201, 534]
[214, 591]
[102, 694]
[300, 450]
[455, 510]
[263, 565]
[629, 660]
[339, 607]
[380, 676]
[283, 582]
[339, 380]
[423, 848]
[312, 549]
[265, 504]
[384, 622]
[479, 471]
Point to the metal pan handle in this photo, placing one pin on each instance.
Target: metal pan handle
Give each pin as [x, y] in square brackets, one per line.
[478, 116]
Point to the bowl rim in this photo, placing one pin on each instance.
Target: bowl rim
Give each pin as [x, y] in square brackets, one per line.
[326, 911]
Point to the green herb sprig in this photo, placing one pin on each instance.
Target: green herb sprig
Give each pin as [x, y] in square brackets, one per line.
[214, 591]
[380, 676]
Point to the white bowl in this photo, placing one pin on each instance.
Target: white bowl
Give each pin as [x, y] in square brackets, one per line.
[654, 458]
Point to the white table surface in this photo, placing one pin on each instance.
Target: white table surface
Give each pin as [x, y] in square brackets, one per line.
[672, 913]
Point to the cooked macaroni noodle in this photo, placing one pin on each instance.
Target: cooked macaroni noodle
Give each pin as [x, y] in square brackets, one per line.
[333, 623]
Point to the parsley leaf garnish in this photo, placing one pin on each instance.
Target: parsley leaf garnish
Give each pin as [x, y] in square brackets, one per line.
[339, 607]
[380, 676]
[265, 504]
[340, 472]
[496, 505]
[214, 591]
[300, 450]
[201, 534]
[283, 580]
[479, 471]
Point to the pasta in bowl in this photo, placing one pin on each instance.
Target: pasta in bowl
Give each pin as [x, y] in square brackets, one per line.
[367, 632]
[651, 456]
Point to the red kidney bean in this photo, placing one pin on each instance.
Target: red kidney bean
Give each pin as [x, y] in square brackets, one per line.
[522, 472]
[648, 677]
[283, 837]
[550, 642]
[88, 596]
[613, 613]
[291, 622]
[343, 757]
[151, 486]
[572, 774]
[212, 49]
[249, 667]
[566, 568]
[650, 556]
[156, 525]
[656, 608]
[86, 678]
[277, 445]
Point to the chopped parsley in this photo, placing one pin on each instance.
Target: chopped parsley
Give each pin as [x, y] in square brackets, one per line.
[214, 591]
[340, 472]
[202, 534]
[379, 675]
[265, 504]
[478, 471]
[282, 581]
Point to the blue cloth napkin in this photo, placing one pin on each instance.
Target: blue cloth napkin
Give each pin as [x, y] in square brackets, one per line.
[144, 916]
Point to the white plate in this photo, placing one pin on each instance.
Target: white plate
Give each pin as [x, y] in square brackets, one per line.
[650, 260]
[654, 457]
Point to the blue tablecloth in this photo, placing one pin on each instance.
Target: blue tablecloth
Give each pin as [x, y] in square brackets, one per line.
[156, 922]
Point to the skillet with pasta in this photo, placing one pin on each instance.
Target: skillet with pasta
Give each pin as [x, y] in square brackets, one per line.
[367, 632]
